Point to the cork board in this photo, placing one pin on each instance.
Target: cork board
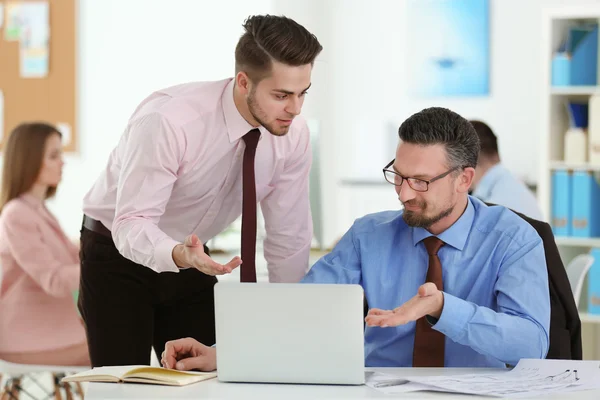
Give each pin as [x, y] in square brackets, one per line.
[52, 98]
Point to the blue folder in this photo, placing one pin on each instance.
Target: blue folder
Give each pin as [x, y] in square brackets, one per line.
[561, 202]
[584, 205]
[594, 284]
[576, 61]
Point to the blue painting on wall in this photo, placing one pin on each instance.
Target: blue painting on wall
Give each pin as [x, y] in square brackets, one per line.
[448, 47]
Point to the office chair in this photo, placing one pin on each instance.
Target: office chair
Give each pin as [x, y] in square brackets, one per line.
[576, 271]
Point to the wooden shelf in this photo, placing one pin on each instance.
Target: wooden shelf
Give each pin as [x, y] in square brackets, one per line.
[574, 90]
[577, 241]
[574, 166]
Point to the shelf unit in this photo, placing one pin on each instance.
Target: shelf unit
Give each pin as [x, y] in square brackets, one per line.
[574, 90]
[589, 318]
[574, 166]
[555, 23]
[554, 118]
[586, 243]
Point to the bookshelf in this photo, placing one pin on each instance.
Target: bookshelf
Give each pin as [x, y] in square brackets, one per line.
[574, 166]
[574, 90]
[555, 23]
[589, 318]
[554, 123]
[586, 243]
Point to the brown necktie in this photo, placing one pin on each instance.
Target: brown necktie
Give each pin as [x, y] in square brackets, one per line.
[248, 267]
[429, 344]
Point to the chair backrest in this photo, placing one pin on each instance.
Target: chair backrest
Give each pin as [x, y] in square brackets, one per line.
[565, 324]
[576, 271]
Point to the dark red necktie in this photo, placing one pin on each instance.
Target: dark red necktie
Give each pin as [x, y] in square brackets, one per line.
[428, 350]
[248, 267]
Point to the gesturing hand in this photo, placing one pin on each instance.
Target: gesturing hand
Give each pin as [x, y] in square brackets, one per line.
[428, 301]
[191, 254]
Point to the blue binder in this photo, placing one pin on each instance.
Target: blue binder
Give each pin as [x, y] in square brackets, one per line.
[561, 202]
[576, 61]
[594, 284]
[584, 205]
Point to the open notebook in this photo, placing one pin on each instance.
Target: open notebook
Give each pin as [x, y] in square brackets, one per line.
[140, 374]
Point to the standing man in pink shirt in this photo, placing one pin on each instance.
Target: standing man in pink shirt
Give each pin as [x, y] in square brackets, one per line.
[191, 160]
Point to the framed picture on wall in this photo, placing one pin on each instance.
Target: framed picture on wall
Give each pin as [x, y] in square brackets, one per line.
[448, 47]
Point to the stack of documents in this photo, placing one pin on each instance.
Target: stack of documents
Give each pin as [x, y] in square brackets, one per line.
[530, 377]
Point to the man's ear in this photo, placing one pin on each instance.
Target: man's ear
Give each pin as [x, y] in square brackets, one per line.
[466, 179]
[242, 81]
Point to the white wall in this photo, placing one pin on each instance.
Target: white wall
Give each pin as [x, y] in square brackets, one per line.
[127, 48]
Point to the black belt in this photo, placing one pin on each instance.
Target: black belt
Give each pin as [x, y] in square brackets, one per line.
[96, 226]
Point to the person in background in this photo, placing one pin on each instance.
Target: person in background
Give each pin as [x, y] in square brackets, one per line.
[192, 159]
[494, 183]
[450, 281]
[39, 265]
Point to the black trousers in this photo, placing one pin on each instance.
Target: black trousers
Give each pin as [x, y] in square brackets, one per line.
[128, 308]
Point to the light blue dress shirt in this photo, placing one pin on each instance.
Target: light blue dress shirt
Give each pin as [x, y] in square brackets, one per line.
[500, 186]
[496, 296]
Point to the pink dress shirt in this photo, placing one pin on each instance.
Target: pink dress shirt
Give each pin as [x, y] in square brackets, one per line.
[39, 273]
[177, 170]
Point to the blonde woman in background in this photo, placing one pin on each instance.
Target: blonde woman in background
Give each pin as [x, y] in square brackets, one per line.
[39, 265]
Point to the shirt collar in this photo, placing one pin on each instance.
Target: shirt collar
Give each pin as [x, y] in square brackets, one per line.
[488, 181]
[237, 126]
[456, 235]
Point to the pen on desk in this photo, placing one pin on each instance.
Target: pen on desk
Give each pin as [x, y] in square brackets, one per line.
[396, 382]
[576, 377]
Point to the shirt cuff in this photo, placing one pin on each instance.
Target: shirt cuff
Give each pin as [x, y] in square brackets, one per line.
[163, 256]
[455, 316]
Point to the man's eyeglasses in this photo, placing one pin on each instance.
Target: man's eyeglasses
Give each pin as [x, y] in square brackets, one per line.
[418, 185]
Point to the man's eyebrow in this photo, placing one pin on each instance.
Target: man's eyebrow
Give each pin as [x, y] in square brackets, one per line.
[418, 176]
[290, 92]
[421, 176]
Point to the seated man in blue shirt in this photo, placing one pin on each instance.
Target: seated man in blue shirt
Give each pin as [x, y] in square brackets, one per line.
[494, 183]
[479, 300]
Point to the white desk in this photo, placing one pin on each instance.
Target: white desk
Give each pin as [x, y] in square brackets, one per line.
[214, 389]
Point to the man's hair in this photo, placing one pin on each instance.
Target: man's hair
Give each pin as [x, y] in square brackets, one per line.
[487, 139]
[269, 37]
[441, 126]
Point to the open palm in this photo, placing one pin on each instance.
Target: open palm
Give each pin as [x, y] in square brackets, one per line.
[428, 301]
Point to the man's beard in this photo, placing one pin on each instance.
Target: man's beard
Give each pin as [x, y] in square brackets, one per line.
[418, 220]
[255, 111]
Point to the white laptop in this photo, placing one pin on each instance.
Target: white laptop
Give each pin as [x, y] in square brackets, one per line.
[289, 333]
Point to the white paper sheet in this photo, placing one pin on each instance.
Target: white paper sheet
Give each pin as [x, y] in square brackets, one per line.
[529, 378]
[34, 39]
[12, 29]
[1, 115]
[389, 385]
[1, 14]
[65, 130]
